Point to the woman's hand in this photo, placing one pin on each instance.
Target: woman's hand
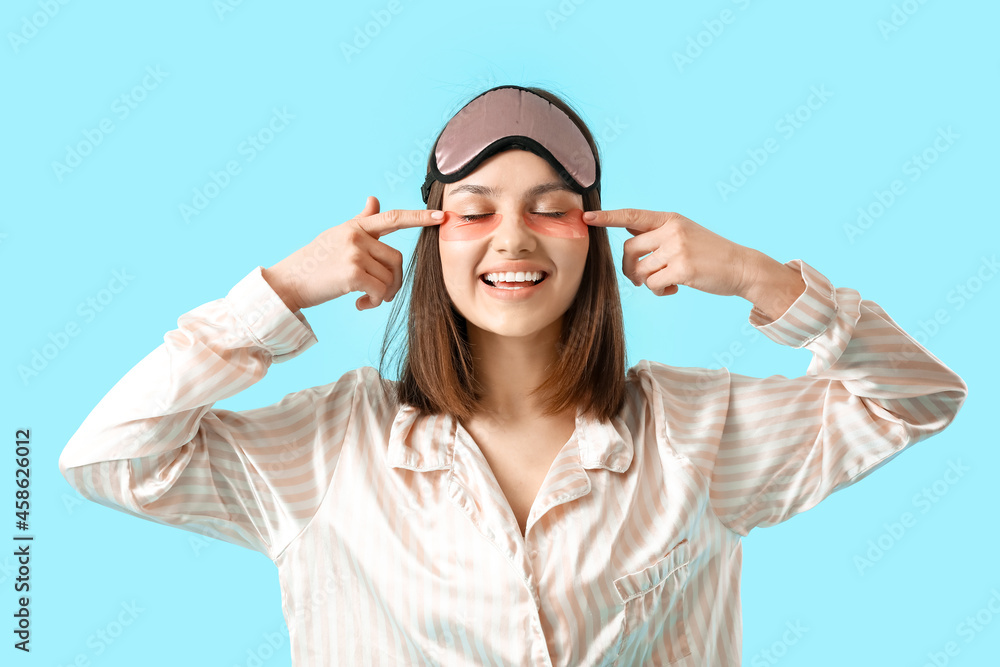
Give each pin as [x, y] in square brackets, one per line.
[677, 251]
[348, 258]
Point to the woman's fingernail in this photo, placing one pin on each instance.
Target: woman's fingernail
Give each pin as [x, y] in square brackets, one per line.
[589, 216]
[437, 215]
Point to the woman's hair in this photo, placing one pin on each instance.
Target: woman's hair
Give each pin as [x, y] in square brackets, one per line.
[437, 374]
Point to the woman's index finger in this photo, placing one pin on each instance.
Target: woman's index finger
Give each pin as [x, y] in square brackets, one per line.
[387, 222]
[630, 218]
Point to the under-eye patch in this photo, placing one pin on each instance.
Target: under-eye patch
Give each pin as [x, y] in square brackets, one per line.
[565, 225]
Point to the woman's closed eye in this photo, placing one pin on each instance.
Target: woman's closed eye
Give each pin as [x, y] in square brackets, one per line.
[472, 226]
[477, 216]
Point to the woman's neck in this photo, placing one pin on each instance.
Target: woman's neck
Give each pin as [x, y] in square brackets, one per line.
[509, 368]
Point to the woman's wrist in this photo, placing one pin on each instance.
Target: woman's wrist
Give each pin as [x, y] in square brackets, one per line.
[281, 287]
[776, 287]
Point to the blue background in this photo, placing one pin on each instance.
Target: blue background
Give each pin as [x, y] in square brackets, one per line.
[669, 132]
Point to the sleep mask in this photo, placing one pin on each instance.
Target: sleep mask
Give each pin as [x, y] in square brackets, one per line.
[508, 117]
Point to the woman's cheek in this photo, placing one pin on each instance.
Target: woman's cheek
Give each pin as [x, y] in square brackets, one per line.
[569, 226]
[454, 228]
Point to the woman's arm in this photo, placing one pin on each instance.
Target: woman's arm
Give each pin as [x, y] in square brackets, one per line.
[154, 448]
[773, 447]
[774, 289]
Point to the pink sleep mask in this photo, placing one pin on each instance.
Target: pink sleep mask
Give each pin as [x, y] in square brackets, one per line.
[508, 117]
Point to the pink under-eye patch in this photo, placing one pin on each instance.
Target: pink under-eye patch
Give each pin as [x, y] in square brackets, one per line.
[457, 227]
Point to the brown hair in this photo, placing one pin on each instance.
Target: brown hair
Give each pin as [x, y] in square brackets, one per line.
[437, 374]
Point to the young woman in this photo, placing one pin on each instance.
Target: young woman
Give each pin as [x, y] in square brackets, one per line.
[519, 496]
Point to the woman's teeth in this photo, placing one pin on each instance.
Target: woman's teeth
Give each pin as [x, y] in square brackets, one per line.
[506, 280]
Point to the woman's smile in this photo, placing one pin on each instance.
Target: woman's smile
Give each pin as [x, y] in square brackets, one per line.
[512, 291]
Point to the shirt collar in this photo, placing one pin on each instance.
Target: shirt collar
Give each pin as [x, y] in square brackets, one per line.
[427, 442]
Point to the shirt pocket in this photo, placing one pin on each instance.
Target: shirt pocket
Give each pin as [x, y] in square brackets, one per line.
[655, 609]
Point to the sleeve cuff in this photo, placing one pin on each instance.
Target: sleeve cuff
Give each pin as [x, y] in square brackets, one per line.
[271, 324]
[809, 315]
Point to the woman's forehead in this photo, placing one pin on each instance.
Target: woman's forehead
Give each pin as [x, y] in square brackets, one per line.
[543, 187]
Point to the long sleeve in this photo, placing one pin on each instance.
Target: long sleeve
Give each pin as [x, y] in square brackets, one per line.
[774, 447]
[154, 448]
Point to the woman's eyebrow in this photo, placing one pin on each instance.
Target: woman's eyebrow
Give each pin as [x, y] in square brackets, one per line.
[488, 191]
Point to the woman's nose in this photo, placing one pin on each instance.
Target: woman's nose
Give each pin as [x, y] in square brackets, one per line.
[513, 230]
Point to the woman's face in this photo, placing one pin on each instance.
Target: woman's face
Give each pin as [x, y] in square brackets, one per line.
[470, 250]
